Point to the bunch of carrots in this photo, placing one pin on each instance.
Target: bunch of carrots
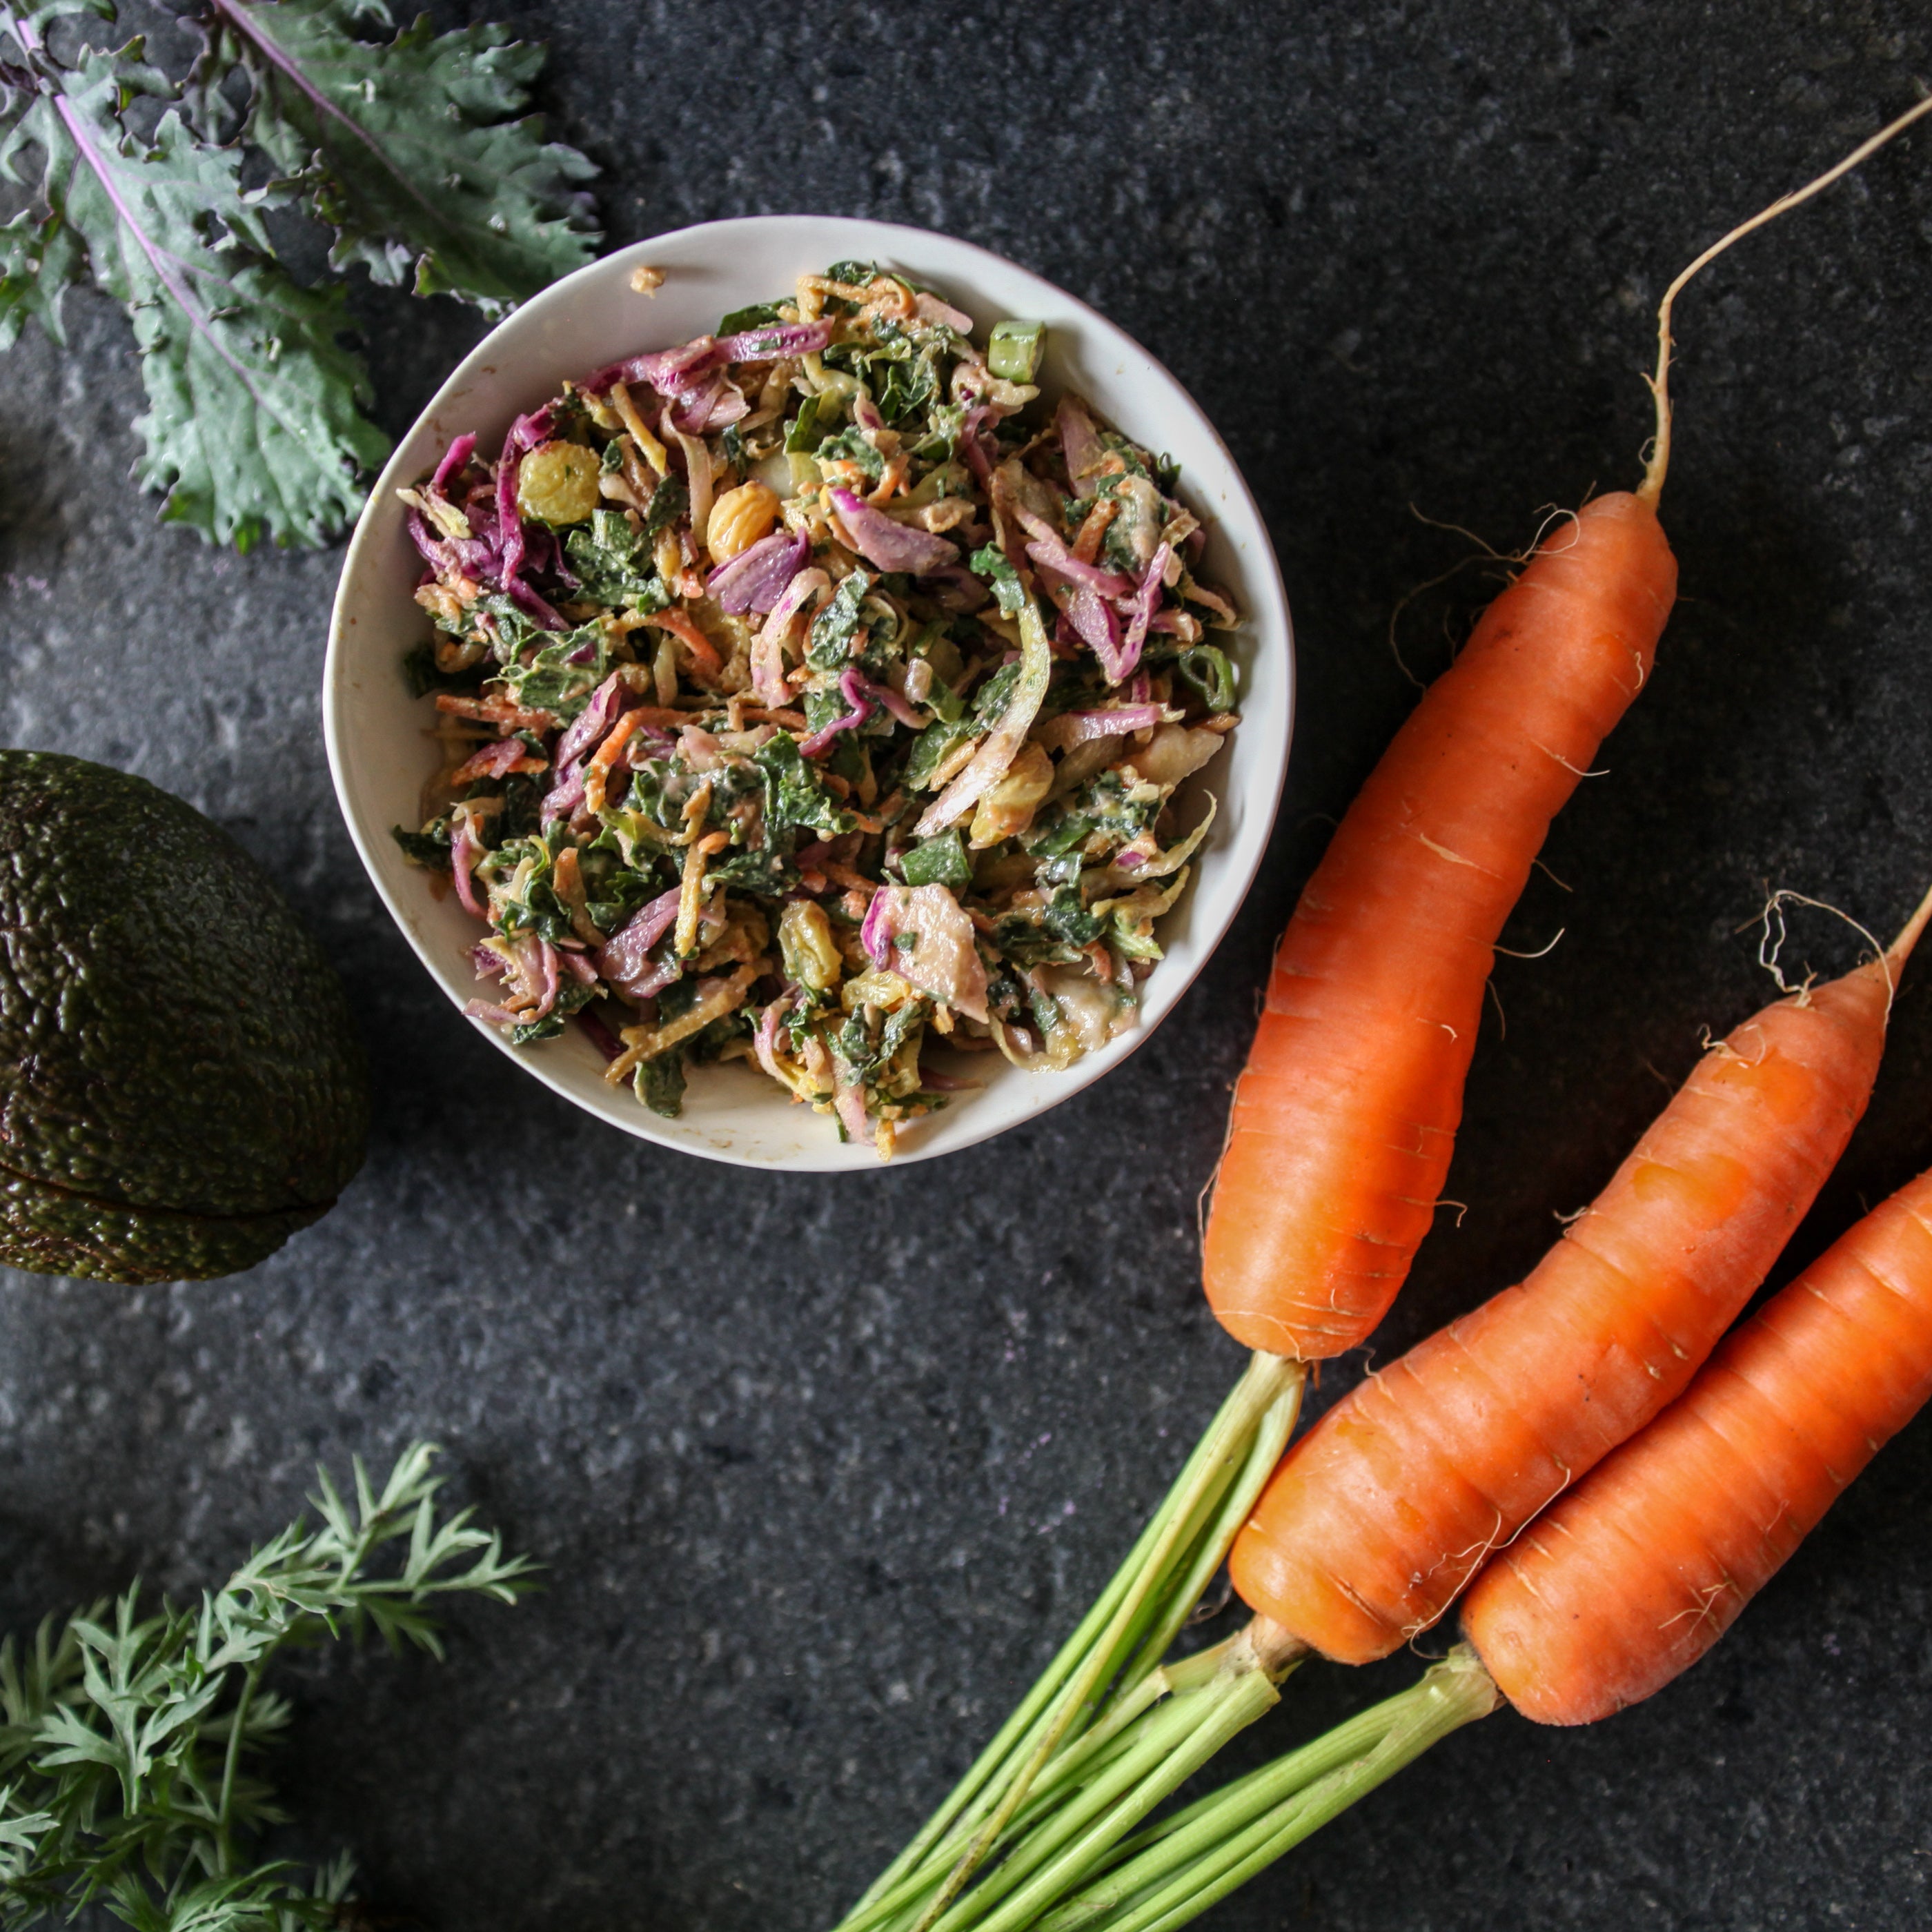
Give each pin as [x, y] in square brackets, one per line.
[1601, 1491]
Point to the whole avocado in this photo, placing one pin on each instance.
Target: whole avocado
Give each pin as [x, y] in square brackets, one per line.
[181, 1086]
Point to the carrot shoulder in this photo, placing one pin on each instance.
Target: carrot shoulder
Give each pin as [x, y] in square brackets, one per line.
[1345, 1116]
[1379, 1515]
[1634, 1575]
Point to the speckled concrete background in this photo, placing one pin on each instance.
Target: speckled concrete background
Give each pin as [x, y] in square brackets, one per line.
[823, 1470]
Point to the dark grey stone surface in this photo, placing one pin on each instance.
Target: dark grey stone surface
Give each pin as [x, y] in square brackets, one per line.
[823, 1469]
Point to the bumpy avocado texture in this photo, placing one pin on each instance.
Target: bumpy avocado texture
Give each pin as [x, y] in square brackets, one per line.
[181, 1086]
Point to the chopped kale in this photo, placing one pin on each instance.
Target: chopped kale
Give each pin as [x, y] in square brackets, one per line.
[659, 792]
[766, 869]
[561, 676]
[523, 806]
[1067, 918]
[853, 445]
[996, 693]
[613, 563]
[932, 748]
[991, 563]
[1107, 804]
[753, 316]
[429, 849]
[830, 648]
[938, 862]
[669, 501]
[660, 1084]
[1045, 1010]
[1058, 831]
[1055, 933]
[804, 436]
[795, 794]
[905, 385]
[510, 627]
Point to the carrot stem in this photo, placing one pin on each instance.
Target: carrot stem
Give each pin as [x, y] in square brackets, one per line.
[1199, 1855]
[1111, 1657]
[1178, 1739]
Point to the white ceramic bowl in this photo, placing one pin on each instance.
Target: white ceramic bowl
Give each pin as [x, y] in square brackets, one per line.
[379, 757]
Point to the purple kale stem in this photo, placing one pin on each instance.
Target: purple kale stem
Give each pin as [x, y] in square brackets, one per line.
[159, 258]
[241, 17]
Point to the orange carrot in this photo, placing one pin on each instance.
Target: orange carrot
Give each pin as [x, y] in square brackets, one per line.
[1345, 1116]
[1641, 1568]
[1375, 1520]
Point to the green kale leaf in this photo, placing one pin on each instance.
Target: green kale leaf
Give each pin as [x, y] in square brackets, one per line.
[39, 260]
[938, 862]
[932, 747]
[416, 151]
[659, 1084]
[754, 316]
[795, 794]
[853, 445]
[669, 501]
[425, 849]
[830, 647]
[991, 563]
[553, 680]
[613, 562]
[254, 426]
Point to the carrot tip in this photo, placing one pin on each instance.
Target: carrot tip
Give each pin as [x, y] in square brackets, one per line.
[1899, 950]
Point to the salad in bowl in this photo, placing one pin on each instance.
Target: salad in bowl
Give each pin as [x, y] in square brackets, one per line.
[827, 732]
[809, 696]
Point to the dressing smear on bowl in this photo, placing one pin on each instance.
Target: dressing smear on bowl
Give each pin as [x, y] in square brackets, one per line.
[809, 694]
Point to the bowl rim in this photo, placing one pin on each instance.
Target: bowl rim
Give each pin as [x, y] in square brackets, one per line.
[1236, 865]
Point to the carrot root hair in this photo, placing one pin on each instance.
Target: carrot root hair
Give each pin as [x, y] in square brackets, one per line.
[1658, 466]
[1889, 959]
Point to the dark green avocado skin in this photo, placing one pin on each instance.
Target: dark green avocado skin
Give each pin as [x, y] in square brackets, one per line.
[181, 1086]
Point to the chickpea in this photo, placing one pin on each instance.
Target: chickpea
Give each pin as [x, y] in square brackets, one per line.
[739, 518]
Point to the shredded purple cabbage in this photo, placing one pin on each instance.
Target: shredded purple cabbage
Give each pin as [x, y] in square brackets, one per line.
[892, 546]
[755, 579]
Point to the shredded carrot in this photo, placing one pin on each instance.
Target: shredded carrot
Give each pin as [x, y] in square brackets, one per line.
[603, 761]
[495, 711]
[1093, 527]
[706, 663]
[892, 480]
